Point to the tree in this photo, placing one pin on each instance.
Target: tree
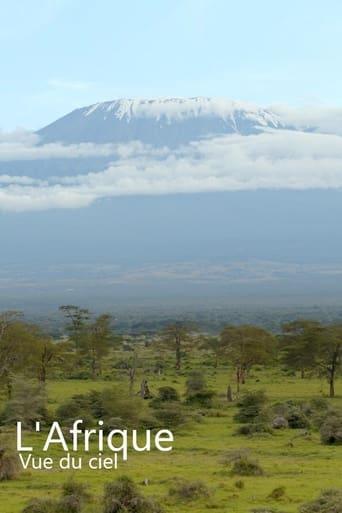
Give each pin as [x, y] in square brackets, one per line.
[299, 344]
[214, 344]
[247, 346]
[178, 337]
[329, 357]
[98, 342]
[18, 347]
[78, 322]
[49, 356]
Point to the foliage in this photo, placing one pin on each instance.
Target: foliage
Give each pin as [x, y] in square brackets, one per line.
[178, 337]
[244, 466]
[9, 468]
[196, 390]
[251, 407]
[277, 493]
[331, 429]
[27, 404]
[170, 416]
[167, 393]
[299, 344]
[189, 490]
[104, 405]
[123, 496]
[330, 501]
[247, 346]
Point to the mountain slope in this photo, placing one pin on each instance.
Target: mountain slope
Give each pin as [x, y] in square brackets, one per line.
[170, 121]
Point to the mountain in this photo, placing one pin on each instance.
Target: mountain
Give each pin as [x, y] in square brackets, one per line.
[159, 122]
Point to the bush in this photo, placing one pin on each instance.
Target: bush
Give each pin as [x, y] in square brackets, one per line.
[170, 416]
[251, 406]
[197, 392]
[189, 490]
[69, 504]
[75, 489]
[295, 412]
[42, 506]
[297, 420]
[123, 496]
[244, 466]
[27, 404]
[195, 383]
[331, 430]
[277, 493]
[330, 501]
[78, 407]
[280, 423]
[107, 404]
[254, 428]
[9, 467]
[167, 394]
[204, 399]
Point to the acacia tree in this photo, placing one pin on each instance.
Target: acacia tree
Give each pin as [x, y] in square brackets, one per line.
[246, 346]
[299, 344]
[214, 345]
[329, 357]
[78, 323]
[177, 336]
[98, 342]
[50, 355]
[19, 347]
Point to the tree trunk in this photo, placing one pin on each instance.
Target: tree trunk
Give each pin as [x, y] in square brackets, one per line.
[229, 394]
[302, 373]
[238, 379]
[178, 355]
[93, 368]
[332, 381]
[42, 374]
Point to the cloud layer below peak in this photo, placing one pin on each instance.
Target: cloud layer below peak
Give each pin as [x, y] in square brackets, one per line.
[272, 160]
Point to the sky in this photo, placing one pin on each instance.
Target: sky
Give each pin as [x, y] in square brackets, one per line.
[57, 55]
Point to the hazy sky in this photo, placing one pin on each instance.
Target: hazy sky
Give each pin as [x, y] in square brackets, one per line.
[57, 55]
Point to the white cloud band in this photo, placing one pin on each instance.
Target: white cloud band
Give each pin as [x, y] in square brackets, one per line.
[273, 160]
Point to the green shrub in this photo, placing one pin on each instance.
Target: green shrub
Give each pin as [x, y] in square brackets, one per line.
[9, 467]
[297, 419]
[204, 399]
[27, 404]
[277, 493]
[123, 496]
[330, 501]
[254, 428]
[195, 383]
[245, 466]
[331, 430]
[42, 506]
[170, 416]
[107, 404]
[251, 406]
[78, 407]
[167, 394]
[75, 489]
[69, 504]
[189, 490]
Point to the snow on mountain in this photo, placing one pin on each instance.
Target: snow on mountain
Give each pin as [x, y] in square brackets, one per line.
[164, 121]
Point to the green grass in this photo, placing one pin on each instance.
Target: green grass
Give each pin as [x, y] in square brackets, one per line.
[299, 463]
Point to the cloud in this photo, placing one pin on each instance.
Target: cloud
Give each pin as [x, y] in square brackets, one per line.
[272, 160]
[321, 119]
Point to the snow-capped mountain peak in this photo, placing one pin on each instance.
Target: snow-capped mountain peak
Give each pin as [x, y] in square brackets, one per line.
[160, 121]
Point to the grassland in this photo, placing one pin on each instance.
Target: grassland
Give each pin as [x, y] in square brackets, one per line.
[294, 459]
